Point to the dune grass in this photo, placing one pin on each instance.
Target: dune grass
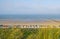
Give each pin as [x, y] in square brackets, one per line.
[29, 33]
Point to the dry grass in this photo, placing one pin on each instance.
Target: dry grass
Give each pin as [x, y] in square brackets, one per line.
[18, 33]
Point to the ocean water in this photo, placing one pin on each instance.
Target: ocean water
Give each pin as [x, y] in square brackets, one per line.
[29, 17]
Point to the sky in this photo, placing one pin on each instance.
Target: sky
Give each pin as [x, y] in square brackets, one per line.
[29, 6]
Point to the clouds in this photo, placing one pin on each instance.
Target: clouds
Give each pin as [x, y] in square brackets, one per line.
[29, 7]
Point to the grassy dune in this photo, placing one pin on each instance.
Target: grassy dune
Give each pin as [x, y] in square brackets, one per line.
[18, 33]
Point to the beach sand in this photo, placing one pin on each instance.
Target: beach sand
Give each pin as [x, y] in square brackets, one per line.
[29, 22]
[47, 22]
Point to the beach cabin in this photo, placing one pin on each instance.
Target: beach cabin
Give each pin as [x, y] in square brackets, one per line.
[1, 25]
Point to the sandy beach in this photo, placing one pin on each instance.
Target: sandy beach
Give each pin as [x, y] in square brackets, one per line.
[53, 22]
[43, 23]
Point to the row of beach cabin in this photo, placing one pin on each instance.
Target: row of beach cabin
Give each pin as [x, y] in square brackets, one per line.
[29, 26]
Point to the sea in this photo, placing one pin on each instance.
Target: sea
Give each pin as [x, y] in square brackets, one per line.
[31, 17]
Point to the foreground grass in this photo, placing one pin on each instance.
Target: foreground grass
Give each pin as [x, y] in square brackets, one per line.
[18, 33]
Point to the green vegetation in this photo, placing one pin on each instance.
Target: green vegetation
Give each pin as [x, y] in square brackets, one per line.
[29, 33]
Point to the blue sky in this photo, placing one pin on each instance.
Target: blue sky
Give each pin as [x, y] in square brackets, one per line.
[29, 6]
